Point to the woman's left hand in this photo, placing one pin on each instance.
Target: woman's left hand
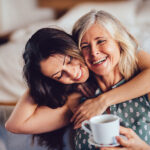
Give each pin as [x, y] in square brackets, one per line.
[88, 109]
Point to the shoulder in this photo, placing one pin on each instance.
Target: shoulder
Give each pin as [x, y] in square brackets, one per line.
[141, 53]
[143, 59]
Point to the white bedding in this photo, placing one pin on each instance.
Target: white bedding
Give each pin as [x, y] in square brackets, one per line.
[133, 14]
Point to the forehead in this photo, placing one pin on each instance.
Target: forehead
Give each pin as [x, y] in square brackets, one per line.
[52, 64]
[96, 30]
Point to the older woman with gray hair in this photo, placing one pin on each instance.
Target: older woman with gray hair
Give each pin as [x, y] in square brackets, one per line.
[110, 51]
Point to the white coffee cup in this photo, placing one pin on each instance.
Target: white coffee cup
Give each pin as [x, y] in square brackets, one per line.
[104, 128]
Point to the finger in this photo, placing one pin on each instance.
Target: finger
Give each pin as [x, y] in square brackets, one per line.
[122, 141]
[73, 118]
[78, 124]
[126, 131]
[79, 117]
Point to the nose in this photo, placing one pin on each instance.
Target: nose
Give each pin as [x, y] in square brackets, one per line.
[94, 50]
[70, 71]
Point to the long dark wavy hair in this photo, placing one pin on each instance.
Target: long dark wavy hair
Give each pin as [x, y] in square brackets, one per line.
[44, 90]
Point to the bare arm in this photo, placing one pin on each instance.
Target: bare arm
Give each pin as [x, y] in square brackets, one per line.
[29, 118]
[137, 86]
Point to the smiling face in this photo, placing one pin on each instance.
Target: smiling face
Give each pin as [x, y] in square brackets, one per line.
[101, 52]
[64, 69]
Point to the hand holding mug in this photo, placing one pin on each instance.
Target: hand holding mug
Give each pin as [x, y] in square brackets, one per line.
[133, 142]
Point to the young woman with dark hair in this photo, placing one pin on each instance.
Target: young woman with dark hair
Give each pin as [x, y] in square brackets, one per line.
[44, 44]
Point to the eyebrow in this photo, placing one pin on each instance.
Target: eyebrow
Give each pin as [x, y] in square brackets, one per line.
[59, 71]
[98, 38]
[94, 39]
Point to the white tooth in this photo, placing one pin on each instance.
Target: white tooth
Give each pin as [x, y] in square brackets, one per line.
[79, 75]
[99, 61]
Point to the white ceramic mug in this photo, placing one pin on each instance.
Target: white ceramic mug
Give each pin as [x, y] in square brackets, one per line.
[104, 128]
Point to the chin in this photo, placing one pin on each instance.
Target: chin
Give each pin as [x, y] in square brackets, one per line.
[83, 80]
[101, 73]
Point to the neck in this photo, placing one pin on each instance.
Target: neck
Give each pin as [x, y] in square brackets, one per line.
[107, 81]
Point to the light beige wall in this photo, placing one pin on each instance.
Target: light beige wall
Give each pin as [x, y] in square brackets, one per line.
[19, 13]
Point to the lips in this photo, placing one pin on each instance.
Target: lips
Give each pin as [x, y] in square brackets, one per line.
[79, 75]
[100, 61]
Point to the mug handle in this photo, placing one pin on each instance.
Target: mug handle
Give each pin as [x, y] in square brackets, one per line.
[85, 128]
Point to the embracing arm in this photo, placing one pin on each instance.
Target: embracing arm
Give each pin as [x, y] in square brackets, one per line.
[137, 86]
[29, 118]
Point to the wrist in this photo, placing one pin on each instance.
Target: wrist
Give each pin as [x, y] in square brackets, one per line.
[103, 99]
[110, 98]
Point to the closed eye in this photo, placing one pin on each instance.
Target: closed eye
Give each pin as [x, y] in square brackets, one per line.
[67, 61]
[84, 47]
[70, 60]
[58, 78]
[100, 41]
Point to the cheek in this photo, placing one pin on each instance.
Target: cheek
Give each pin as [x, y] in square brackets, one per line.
[116, 57]
[112, 46]
[114, 50]
[85, 55]
[65, 81]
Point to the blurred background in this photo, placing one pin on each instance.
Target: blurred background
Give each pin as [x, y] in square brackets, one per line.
[19, 19]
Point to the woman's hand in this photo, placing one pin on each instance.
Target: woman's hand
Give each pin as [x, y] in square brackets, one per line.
[133, 142]
[73, 101]
[91, 107]
[88, 109]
